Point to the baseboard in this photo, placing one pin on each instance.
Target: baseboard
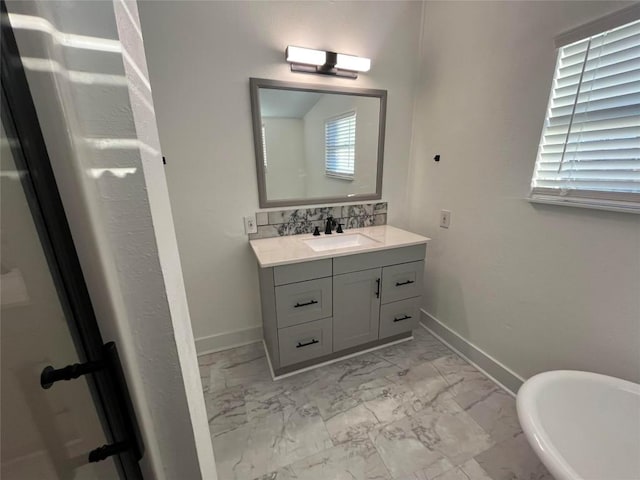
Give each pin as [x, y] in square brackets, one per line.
[225, 341]
[492, 368]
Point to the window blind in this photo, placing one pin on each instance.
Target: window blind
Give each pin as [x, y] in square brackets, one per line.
[340, 146]
[264, 147]
[590, 143]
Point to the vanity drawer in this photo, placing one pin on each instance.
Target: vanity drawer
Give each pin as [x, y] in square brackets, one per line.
[303, 301]
[402, 281]
[299, 272]
[304, 342]
[399, 317]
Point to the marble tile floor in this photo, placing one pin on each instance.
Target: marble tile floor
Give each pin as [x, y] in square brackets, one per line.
[412, 411]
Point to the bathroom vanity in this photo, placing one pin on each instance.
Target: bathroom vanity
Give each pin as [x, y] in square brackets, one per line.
[327, 296]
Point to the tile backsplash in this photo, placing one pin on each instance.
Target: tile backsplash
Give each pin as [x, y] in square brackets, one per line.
[303, 220]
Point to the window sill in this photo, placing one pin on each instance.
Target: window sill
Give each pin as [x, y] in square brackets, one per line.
[347, 178]
[585, 203]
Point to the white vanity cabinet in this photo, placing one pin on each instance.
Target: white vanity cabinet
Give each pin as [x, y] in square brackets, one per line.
[318, 310]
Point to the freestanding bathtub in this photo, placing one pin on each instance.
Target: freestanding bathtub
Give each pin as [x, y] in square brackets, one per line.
[582, 425]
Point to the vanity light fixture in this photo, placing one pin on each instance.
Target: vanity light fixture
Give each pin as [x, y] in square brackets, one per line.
[308, 60]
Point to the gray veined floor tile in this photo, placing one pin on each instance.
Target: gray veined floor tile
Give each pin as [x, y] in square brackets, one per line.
[441, 430]
[387, 400]
[495, 412]
[205, 376]
[354, 424]
[424, 380]
[423, 348]
[431, 472]
[464, 378]
[470, 470]
[513, 459]
[333, 400]
[226, 409]
[239, 366]
[358, 370]
[403, 452]
[349, 461]
[378, 403]
[271, 442]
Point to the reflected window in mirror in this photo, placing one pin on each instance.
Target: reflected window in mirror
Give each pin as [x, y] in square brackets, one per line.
[340, 146]
[324, 144]
[264, 148]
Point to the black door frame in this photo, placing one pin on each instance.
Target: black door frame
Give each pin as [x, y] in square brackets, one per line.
[108, 385]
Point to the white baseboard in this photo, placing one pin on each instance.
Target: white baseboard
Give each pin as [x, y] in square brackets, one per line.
[492, 368]
[225, 341]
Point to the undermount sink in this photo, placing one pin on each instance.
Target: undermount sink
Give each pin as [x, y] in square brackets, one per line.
[338, 241]
[583, 426]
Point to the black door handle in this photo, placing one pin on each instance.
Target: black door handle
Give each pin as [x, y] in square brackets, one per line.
[50, 375]
[298, 305]
[300, 345]
[106, 451]
[399, 284]
[406, 317]
[378, 288]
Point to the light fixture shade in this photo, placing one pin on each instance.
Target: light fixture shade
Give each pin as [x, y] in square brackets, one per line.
[353, 63]
[308, 60]
[306, 56]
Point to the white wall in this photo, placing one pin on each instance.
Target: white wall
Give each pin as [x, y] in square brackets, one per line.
[285, 175]
[537, 287]
[86, 70]
[366, 152]
[200, 57]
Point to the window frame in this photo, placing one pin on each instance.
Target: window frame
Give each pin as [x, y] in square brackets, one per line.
[614, 201]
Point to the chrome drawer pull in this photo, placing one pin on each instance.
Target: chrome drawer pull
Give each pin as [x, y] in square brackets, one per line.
[399, 284]
[298, 305]
[300, 345]
[406, 317]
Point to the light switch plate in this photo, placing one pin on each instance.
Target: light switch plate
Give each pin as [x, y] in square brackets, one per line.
[250, 224]
[445, 218]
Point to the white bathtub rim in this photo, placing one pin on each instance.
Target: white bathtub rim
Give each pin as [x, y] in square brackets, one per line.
[531, 424]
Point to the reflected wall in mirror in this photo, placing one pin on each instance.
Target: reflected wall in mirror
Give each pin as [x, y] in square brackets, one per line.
[317, 144]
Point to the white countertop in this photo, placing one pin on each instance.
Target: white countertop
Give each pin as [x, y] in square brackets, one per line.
[275, 251]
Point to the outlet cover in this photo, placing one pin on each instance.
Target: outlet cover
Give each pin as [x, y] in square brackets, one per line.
[250, 224]
[445, 218]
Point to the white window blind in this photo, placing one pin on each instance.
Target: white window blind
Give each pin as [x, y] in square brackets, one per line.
[340, 146]
[264, 147]
[589, 151]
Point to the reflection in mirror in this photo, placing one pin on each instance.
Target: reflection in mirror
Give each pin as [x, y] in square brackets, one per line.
[317, 144]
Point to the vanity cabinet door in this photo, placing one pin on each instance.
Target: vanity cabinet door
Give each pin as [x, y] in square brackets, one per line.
[356, 312]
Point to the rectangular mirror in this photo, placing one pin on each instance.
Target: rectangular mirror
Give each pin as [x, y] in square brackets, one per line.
[317, 144]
